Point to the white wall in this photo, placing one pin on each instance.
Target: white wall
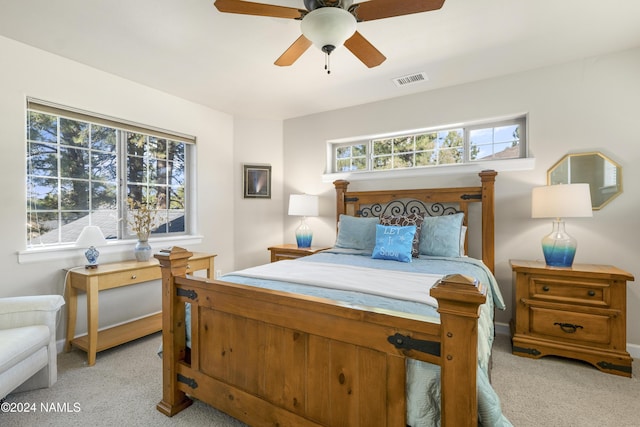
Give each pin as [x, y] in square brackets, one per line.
[589, 105]
[258, 222]
[30, 72]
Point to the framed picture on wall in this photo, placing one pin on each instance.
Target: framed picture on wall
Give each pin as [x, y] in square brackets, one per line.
[257, 181]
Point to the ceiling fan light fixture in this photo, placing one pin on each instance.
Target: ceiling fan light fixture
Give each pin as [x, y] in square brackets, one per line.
[328, 26]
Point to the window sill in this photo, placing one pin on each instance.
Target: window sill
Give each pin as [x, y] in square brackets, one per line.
[121, 247]
[497, 165]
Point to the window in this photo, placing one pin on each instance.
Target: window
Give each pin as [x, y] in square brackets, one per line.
[87, 170]
[497, 141]
[351, 157]
[429, 148]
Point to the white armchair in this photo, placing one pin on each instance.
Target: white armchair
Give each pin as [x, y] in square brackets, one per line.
[28, 356]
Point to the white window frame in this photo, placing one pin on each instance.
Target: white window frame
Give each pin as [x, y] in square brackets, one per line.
[36, 253]
[524, 162]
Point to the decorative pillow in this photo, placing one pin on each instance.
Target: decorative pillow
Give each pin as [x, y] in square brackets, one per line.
[356, 233]
[394, 242]
[404, 220]
[440, 235]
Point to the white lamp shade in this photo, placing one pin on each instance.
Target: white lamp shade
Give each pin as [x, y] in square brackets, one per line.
[561, 201]
[328, 26]
[91, 236]
[303, 205]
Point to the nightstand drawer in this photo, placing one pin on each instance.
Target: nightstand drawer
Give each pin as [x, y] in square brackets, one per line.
[574, 292]
[198, 264]
[282, 257]
[289, 251]
[581, 328]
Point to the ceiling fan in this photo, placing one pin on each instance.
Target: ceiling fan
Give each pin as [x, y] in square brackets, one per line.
[328, 24]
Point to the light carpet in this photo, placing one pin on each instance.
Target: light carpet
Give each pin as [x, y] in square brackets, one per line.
[124, 386]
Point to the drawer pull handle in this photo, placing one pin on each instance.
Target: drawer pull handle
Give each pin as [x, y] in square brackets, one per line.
[592, 293]
[188, 267]
[568, 327]
[545, 288]
[133, 276]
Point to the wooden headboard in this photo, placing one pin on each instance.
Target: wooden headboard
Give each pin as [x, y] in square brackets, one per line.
[433, 201]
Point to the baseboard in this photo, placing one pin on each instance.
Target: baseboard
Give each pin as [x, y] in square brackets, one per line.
[634, 350]
[60, 346]
[502, 328]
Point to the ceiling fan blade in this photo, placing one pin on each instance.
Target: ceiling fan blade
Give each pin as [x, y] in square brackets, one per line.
[378, 9]
[364, 50]
[258, 9]
[294, 52]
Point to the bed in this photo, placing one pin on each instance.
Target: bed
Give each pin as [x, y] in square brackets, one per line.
[290, 344]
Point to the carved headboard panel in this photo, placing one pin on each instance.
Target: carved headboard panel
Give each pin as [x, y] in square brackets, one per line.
[407, 207]
[433, 201]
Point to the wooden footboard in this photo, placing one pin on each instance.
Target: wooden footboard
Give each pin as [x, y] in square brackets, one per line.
[271, 358]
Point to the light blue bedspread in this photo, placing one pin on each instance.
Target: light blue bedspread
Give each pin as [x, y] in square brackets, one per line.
[423, 379]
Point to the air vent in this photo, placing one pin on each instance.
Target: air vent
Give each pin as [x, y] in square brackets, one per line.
[410, 79]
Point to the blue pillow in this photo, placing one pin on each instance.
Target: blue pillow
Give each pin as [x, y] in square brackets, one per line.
[440, 235]
[404, 220]
[394, 242]
[356, 233]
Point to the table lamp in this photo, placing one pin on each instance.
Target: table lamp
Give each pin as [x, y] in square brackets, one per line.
[303, 205]
[91, 237]
[560, 201]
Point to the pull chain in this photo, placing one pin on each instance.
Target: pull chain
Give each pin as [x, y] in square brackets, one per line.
[327, 55]
[327, 63]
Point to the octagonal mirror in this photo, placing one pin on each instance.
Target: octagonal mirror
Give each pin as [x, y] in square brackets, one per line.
[603, 175]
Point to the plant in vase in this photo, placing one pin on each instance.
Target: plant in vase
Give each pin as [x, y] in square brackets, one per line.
[142, 220]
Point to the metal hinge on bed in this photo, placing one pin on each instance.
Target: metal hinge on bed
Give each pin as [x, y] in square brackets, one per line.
[189, 293]
[405, 342]
[471, 196]
[188, 381]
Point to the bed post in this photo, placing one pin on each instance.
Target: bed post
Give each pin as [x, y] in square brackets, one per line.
[488, 178]
[459, 298]
[341, 189]
[173, 262]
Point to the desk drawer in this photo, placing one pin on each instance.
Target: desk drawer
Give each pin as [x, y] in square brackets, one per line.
[581, 328]
[130, 277]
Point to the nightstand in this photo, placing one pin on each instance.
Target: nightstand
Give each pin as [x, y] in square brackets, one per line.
[577, 312]
[291, 251]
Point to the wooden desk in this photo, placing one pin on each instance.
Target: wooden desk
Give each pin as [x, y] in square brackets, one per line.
[110, 276]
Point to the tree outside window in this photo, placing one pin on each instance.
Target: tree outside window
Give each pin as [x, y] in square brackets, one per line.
[81, 173]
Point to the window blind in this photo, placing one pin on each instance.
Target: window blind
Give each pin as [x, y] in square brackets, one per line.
[107, 121]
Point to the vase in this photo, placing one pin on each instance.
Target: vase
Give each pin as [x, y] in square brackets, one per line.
[558, 247]
[304, 235]
[142, 250]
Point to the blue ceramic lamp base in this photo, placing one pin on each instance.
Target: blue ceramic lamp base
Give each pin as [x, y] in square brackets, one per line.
[304, 235]
[559, 248]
